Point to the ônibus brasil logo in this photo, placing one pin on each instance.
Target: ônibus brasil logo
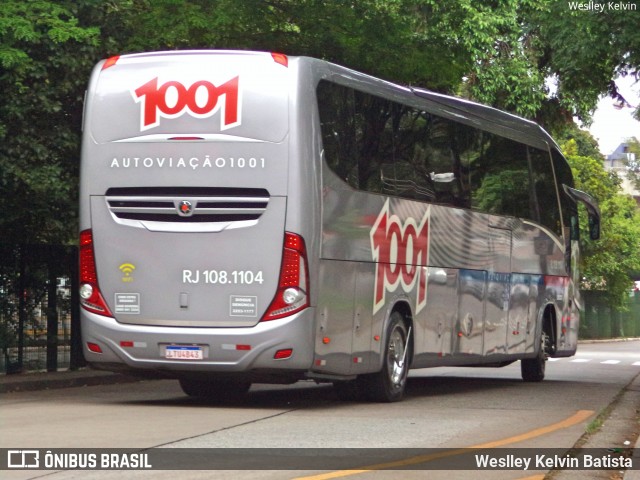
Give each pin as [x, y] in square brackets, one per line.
[201, 99]
[400, 252]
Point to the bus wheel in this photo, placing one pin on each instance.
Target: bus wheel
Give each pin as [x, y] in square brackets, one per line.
[389, 383]
[533, 369]
[220, 390]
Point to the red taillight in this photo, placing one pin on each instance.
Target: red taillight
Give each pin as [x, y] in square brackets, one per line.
[90, 297]
[292, 295]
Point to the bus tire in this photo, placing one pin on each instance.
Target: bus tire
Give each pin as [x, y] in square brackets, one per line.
[219, 390]
[388, 385]
[533, 369]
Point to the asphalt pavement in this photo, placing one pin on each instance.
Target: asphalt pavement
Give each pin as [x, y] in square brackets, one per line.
[86, 377]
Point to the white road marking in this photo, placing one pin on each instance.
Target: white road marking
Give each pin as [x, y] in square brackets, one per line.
[604, 362]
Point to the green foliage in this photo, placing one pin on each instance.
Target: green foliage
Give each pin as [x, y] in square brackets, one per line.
[498, 52]
[590, 175]
[585, 51]
[576, 141]
[607, 263]
[633, 162]
[47, 48]
[45, 57]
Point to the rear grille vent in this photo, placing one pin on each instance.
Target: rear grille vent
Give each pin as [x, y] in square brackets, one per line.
[187, 209]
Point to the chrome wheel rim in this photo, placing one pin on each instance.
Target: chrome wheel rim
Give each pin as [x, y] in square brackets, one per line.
[396, 357]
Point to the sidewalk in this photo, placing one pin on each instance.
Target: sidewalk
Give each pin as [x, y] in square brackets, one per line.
[24, 382]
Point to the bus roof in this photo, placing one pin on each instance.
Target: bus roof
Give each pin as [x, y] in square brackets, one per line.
[522, 126]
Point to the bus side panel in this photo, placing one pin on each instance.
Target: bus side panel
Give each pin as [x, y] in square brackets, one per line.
[366, 349]
[469, 326]
[470, 267]
[538, 253]
[520, 313]
[335, 311]
[440, 318]
[374, 255]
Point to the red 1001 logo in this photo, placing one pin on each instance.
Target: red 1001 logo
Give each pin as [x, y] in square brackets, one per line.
[400, 251]
[201, 99]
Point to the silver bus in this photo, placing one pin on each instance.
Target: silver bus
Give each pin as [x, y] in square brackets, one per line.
[251, 217]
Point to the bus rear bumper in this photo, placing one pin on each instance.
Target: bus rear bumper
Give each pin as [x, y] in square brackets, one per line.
[283, 345]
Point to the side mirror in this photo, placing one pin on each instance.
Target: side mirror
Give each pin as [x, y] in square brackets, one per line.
[592, 209]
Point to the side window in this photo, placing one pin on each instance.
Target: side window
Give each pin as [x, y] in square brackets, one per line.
[544, 190]
[375, 119]
[417, 159]
[501, 178]
[380, 146]
[431, 145]
[339, 131]
[568, 206]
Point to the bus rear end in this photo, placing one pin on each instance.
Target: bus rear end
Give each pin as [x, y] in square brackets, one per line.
[187, 267]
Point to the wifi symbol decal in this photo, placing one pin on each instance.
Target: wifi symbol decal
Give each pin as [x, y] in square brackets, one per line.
[127, 269]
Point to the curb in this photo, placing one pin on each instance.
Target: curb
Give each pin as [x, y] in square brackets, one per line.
[61, 379]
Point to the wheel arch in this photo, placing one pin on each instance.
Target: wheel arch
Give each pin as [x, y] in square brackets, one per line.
[549, 325]
[403, 307]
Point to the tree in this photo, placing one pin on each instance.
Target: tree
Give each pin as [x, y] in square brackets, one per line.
[586, 50]
[633, 162]
[609, 262]
[584, 144]
[499, 52]
[45, 55]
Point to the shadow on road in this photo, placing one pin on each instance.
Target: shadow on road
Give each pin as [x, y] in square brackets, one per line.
[308, 395]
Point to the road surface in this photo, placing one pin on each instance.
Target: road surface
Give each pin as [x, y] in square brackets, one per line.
[445, 408]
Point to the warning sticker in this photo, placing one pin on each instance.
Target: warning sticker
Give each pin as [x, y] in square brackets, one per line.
[127, 303]
[243, 306]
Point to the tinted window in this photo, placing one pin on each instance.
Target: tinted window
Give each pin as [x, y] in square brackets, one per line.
[501, 178]
[380, 146]
[568, 206]
[543, 182]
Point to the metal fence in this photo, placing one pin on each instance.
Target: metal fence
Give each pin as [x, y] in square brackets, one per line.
[39, 317]
[601, 321]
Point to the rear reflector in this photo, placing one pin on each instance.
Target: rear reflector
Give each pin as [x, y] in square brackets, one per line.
[94, 347]
[233, 346]
[282, 354]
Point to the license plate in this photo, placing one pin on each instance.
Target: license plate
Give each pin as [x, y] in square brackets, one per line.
[183, 352]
